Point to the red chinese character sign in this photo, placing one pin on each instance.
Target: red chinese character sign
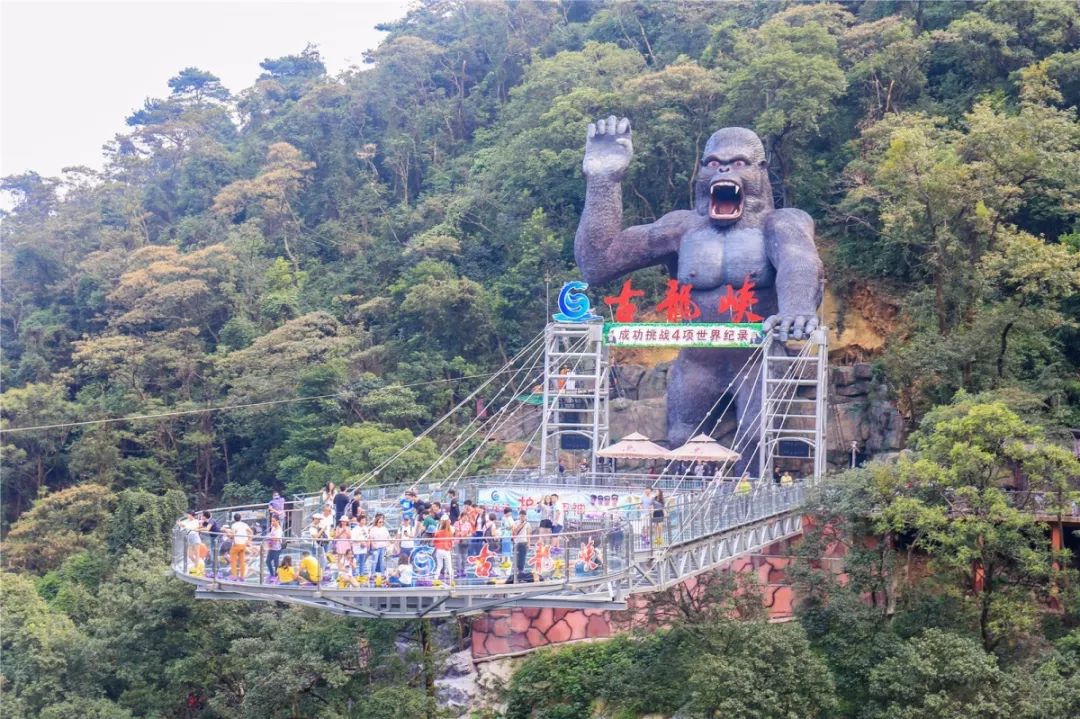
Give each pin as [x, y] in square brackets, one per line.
[625, 307]
[740, 303]
[677, 305]
[678, 308]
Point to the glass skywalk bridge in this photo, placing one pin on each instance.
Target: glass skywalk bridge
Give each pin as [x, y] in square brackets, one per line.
[605, 553]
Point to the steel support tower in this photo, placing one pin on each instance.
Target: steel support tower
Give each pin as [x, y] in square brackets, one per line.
[794, 391]
[575, 409]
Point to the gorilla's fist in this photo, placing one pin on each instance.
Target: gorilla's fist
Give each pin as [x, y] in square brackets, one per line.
[608, 148]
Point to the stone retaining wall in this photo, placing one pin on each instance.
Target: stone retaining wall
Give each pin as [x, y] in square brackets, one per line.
[509, 632]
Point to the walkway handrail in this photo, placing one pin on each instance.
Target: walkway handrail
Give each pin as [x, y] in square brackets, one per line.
[584, 556]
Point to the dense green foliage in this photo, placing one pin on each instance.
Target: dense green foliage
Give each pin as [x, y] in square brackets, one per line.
[719, 670]
[381, 239]
[944, 609]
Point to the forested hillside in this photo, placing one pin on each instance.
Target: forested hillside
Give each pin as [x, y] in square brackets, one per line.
[380, 239]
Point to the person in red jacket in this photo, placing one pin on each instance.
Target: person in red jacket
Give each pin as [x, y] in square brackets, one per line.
[444, 543]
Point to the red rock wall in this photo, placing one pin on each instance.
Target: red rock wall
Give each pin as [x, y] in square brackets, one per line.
[505, 632]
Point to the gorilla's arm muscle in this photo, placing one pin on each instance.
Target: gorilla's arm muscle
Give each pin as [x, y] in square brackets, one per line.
[605, 251]
[789, 245]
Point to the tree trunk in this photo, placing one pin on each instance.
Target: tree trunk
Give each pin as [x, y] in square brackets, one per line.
[428, 662]
[1004, 347]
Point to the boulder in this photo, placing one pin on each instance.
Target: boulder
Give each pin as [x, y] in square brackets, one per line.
[459, 664]
[455, 696]
[654, 382]
[863, 370]
[648, 416]
[857, 388]
[625, 380]
[842, 376]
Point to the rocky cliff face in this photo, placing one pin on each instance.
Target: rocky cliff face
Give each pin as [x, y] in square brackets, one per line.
[859, 409]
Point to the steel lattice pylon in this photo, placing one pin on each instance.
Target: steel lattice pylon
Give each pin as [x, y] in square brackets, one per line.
[794, 392]
[576, 373]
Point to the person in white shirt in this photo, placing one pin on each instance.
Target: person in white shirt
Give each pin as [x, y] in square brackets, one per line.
[406, 543]
[360, 535]
[318, 539]
[241, 537]
[326, 519]
[558, 520]
[192, 541]
[380, 541]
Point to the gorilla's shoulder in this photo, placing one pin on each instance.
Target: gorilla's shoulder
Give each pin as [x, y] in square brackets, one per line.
[681, 217]
[787, 217]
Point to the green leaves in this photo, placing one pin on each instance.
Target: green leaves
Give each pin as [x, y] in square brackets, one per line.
[363, 448]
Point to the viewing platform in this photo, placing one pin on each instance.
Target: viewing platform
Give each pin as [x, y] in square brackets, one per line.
[607, 550]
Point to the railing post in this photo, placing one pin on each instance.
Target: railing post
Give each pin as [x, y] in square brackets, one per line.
[215, 542]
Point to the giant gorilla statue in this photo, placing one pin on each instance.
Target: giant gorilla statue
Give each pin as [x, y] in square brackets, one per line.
[733, 233]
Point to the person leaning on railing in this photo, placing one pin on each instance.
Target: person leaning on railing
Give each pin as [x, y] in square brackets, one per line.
[318, 538]
[212, 530]
[190, 526]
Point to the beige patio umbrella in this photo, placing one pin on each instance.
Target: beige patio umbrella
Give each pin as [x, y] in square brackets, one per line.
[634, 446]
[704, 448]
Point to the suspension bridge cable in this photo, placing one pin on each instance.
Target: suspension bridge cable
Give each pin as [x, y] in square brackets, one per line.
[408, 445]
[495, 420]
[580, 344]
[743, 373]
[739, 444]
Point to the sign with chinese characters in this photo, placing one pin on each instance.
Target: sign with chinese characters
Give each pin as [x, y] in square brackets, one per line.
[697, 334]
[577, 504]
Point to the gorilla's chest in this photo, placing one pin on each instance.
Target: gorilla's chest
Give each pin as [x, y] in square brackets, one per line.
[710, 258]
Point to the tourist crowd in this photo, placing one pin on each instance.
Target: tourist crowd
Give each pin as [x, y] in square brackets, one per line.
[346, 544]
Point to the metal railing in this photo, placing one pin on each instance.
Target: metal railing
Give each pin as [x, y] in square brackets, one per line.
[566, 558]
[596, 549]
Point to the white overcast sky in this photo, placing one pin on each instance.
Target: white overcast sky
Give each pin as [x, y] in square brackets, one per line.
[72, 71]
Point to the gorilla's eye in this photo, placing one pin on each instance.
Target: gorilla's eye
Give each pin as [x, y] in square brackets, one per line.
[739, 163]
[712, 164]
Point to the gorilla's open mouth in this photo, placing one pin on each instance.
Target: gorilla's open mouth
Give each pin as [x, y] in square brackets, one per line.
[725, 200]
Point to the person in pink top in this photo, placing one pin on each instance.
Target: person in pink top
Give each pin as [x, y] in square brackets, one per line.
[463, 531]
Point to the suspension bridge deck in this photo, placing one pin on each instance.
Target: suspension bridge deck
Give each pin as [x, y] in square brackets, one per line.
[600, 558]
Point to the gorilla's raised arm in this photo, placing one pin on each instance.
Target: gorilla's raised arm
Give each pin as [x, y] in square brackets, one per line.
[789, 245]
[602, 248]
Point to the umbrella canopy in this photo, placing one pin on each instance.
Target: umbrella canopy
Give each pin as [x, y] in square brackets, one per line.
[705, 449]
[634, 446]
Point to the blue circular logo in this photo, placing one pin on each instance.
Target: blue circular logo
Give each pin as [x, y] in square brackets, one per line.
[574, 305]
[423, 561]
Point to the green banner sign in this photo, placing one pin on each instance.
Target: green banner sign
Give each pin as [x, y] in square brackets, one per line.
[697, 334]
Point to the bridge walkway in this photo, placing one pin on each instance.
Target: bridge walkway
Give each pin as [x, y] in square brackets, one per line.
[597, 562]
